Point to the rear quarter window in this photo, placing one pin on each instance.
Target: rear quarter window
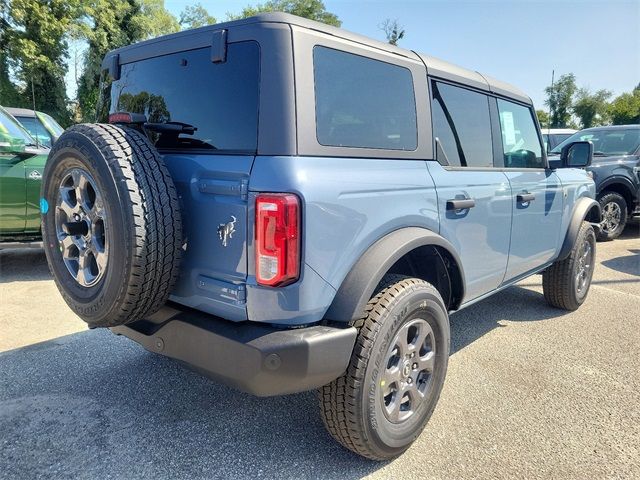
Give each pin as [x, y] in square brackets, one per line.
[362, 102]
[219, 99]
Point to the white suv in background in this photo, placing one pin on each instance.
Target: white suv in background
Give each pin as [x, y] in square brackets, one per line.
[552, 137]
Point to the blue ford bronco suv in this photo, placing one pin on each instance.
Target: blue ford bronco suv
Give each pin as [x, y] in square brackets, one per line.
[287, 206]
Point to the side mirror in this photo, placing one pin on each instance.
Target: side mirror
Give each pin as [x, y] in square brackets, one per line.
[9, 144]
[577, 154]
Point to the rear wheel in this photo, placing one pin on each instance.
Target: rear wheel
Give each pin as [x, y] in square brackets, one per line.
[614, 216]
[397, 370]
[111, 224]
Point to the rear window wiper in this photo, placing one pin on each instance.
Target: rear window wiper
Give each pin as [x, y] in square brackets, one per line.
[170, 127]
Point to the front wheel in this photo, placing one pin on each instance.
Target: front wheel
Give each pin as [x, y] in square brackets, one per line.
[397, 370]
[614, 216]
[565, 284]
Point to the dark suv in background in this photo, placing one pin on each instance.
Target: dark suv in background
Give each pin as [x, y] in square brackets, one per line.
[616, 171]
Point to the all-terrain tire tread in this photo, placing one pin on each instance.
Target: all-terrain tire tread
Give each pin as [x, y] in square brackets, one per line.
[338, 400]
[557, 285]
[156, 221]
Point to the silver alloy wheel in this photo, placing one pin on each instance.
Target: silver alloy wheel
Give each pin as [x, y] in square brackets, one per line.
[81, 227]
[408, 371]
[611, 216]
[585, 264]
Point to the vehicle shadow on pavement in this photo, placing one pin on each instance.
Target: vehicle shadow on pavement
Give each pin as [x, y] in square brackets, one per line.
[515, 304]
[23, 265]
[94, 405]
[632, 230]
[629, 264]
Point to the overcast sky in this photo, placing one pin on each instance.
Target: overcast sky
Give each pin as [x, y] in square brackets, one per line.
[517, 41]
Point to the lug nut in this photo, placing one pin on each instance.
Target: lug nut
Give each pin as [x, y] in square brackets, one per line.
[415, 366]
[413, 354]
[409, 380]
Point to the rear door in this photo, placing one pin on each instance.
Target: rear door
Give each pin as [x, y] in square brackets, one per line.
[474, 197]
[209, 159]
[537, 191]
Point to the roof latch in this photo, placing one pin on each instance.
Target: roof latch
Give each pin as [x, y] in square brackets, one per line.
[219, 46]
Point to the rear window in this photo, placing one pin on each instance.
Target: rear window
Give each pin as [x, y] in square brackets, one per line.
[219, 99]
[361, 102]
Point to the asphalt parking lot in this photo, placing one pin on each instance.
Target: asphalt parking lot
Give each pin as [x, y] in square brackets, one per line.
[532, 392]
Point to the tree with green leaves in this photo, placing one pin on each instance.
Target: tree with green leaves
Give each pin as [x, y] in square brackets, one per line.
[591, 108]
[155, 20]
[625, 109]
[312, 9]
[543, 118]
[559, 100]
[194, 16]
[109, 24]
[34, 40]
[9, 94]
[392, 30]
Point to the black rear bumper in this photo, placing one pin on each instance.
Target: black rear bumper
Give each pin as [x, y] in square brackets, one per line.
[258, 359]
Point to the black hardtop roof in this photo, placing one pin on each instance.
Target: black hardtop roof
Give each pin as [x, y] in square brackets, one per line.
[435, 67]
[21, 112]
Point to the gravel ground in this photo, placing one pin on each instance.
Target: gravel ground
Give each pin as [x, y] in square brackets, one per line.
[531, 392]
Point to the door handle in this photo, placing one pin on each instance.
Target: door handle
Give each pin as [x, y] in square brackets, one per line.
[460, 203]
[525, 197]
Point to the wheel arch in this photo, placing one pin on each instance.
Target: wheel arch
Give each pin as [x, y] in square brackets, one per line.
[585, 209]
[411, 251]
[621, 186]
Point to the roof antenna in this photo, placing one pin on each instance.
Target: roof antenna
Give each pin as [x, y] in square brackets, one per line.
[33, 99]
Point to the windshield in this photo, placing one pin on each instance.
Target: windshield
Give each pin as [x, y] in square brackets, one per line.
[607, 142]
[9, 126]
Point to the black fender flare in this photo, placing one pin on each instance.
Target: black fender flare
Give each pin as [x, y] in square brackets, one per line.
[633, 191]
[583, 208]
[359, 284]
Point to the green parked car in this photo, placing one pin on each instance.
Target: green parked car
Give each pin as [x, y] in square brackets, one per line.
[21, 166]
[40, 125]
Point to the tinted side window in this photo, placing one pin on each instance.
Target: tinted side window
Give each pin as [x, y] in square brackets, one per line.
[36, 129]
[461, 126]
[361, 102]
[520, 140]
[219, 99]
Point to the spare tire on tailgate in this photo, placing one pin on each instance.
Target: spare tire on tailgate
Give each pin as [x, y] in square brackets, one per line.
[110, 223]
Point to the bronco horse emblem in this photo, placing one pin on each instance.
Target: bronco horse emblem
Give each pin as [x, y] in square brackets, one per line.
[226, 230]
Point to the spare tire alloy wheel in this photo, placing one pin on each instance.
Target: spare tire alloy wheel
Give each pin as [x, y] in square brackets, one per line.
[113, 234]
[81, 227]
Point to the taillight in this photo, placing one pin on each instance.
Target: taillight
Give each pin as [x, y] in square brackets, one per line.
[277, 239]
